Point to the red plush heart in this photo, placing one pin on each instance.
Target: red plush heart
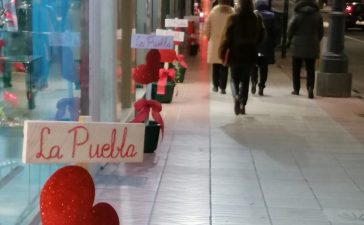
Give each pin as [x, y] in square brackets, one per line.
[141, 74]
[105, 214]
[67, 199]
[153, 60]
[147, 73]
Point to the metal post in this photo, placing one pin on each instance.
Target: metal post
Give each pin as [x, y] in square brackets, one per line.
[127, 24]
[284, 28]
[102, 35]
[85, 59]
[333, 79]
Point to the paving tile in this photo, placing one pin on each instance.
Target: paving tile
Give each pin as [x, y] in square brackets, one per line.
[219, 220]
[311, 215]
[292, 202]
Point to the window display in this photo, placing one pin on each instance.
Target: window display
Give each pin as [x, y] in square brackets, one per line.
[40, 65]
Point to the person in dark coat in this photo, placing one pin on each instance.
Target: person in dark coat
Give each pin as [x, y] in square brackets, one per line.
[243, 32]
[265, 49]
[305, 33]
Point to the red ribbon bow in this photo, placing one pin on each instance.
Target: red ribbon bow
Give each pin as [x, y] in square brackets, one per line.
[181, 61]
[164, 74]
[143, 108]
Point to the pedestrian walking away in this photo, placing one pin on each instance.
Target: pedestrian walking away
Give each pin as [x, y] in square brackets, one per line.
[265, 48]
[214, 32]
[304, 35]
[242, 35]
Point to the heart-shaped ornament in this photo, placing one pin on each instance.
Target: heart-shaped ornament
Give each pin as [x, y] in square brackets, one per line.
[67, 199]
[149, 72]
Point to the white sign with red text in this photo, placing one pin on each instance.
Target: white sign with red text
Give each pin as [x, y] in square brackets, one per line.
[68, 142]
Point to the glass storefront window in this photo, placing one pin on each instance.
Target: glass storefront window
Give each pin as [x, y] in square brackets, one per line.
[41, 78]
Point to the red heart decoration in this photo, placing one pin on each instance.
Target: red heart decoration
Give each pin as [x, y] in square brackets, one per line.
[105, 214]
[149, 72]
[141, 74]
[167, 55]
[67, 199]
[153, 60]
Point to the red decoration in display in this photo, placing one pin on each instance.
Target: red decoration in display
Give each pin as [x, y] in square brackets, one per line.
[164, 74]
[147, 73]
[143, 107]
[105, 214]
[181, 61]
[67, 199]
[10, 98]
[167, 55]
[19, 67]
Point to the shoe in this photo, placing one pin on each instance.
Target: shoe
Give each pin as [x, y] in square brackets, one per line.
[254, 89]
[295, 93]
[215, 89]
[223, 92]
[310, 93]
[237, 107]
[260, 92]
[242, 109]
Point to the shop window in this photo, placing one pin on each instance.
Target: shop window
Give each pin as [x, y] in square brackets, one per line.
[40, 79]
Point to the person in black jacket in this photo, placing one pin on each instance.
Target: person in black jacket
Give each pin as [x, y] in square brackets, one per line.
[305, 32]
[265, 49]
[243, 32]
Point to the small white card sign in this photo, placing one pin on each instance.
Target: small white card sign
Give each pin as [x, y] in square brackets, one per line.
[177, 35]
[90, 142]
[147, 41]
[176, 23]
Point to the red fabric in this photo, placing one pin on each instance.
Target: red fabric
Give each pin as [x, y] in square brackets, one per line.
[191, 27]
[164, 74]
[181, 61]
[168, 55]
[143, 107]
[19, 67]
[10, 98]
[67, 198]
[105, 214]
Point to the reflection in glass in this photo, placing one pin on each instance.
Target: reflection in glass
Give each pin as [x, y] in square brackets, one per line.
[39, 80]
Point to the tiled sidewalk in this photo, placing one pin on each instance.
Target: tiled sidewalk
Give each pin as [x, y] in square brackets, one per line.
[289, 161]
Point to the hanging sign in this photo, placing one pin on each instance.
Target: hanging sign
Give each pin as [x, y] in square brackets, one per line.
[176, 23]
[146, 41]
[90, 142]
[177, 35]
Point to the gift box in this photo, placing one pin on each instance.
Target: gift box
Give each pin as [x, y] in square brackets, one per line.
[180, 73]
[151, 136]
[168, 96]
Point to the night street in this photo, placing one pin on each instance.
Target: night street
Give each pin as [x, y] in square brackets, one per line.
[354, 47]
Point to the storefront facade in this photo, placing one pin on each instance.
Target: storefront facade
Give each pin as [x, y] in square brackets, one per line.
[61, 59]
